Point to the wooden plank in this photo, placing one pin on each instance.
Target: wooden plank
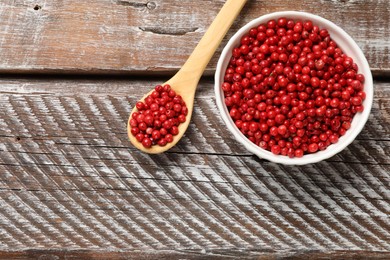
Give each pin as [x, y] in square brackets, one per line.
[140, 37]
[70, 179]
[187, 254]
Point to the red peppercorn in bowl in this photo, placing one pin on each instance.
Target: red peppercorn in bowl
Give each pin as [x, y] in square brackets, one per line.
[293, 87]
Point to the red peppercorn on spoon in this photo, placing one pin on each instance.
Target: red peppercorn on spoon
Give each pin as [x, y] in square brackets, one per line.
[185, 81]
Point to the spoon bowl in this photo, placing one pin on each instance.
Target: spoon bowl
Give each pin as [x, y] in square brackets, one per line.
[186, 80]
[183, 86]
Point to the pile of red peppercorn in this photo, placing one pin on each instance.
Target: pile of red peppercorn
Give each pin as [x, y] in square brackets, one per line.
[158, 117]
[290, 89]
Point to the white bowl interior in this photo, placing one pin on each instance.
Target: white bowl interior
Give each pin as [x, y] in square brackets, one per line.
[349, 47]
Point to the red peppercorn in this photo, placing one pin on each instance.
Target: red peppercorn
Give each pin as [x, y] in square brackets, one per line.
[275, 149]
[356, 101]
[140, 137]
[146, 142]
[313, 147]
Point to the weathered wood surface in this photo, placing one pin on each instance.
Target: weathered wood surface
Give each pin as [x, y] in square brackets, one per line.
[72, 187]
[140, 37]
[180, 255]
[70, 182]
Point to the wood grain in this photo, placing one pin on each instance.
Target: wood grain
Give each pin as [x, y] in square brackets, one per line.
[141, 37]
[177, 255]
[70, 180]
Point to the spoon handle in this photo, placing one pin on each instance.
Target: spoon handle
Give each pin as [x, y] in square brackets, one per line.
[203, 52]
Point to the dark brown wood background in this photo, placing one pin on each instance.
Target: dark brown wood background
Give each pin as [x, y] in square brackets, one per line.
[72, 186]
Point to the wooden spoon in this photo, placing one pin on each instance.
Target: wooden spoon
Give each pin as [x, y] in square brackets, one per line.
[185, 81]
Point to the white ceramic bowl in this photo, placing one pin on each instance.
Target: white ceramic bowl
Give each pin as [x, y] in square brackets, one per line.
[349, 47]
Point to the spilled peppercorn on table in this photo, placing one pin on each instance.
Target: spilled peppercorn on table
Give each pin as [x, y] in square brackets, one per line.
[72, 186]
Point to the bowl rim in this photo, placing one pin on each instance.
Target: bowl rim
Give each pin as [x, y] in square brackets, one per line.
[355, 51]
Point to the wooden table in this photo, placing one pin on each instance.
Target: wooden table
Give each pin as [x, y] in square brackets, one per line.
[72, 186]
